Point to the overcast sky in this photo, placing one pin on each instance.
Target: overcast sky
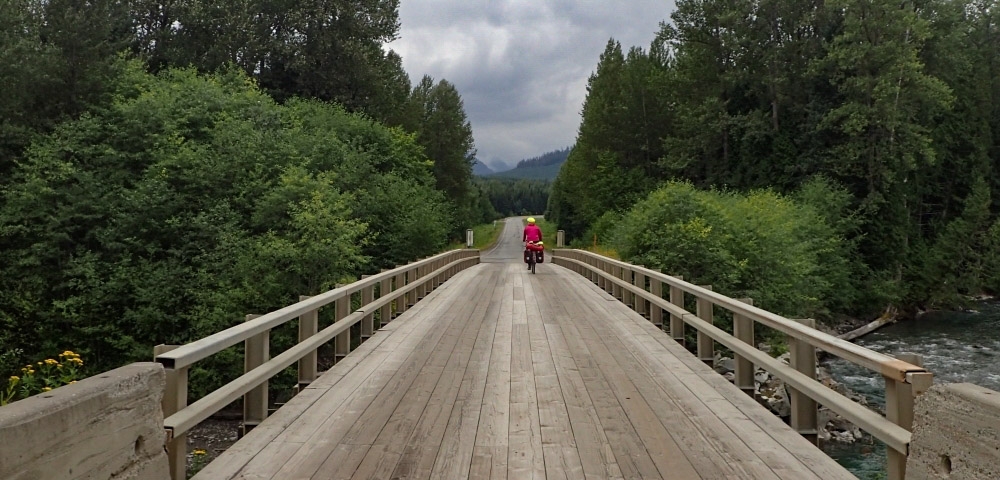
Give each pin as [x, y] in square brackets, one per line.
[521, 66]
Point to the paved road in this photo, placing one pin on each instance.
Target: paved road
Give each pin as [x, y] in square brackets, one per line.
[509, 247]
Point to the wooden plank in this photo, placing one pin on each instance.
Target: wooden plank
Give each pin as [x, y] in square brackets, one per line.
[592, 444]
[752, 424]
[698, 443]
[376, 403]
[425, 442]
[626, 416]
[525, 438]
[450, 355]
[538, 376]
[457, 450]
[561, 458]
[368, 356]
[494, 418]
[234, 458]
[596, 455]
[322, 429]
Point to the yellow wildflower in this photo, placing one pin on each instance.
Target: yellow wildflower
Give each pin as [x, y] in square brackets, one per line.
[45, 389]
[199, 452]
[14, 379]
[71, 382]
[49, 361]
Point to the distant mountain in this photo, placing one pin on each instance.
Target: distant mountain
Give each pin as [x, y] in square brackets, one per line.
[555, 157]
[543, 167]
[481, 169]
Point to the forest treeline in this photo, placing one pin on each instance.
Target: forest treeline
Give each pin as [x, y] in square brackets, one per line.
[167, 168]
[549, 158]
[879, 118]
[513, 196]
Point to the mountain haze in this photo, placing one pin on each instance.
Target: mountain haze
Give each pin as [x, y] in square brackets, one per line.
[542, 167]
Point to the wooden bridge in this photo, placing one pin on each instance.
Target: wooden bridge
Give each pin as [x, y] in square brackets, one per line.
[573, 372]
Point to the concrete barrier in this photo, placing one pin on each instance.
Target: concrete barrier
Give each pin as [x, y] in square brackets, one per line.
[956, 434]
[103, 427]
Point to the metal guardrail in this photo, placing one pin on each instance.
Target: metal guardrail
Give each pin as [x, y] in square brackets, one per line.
[397, 289]
[904, 379]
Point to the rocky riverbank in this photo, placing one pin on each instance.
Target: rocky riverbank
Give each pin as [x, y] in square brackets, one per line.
[772, 392]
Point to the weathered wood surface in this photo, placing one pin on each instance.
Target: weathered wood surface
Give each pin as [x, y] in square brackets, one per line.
[503, 374]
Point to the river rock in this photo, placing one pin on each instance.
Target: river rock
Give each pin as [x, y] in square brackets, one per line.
[775, 396]
[725, 365]
[785, 357]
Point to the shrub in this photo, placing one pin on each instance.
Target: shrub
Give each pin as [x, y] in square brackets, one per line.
[783, 253]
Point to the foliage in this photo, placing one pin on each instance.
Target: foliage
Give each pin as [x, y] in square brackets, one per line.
[57, 59]
[329, 50]
[511, 197]
[193, 200]
[896, 102]
[554, 157]
[436, 114]
[49, 374]
[760, 245]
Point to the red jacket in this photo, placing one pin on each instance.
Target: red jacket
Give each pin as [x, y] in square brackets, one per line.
[532, 234]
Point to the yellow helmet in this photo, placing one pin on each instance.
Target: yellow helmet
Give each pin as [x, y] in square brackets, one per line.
[531, 219]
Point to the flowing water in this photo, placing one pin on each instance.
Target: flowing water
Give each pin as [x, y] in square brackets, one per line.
[955, 346]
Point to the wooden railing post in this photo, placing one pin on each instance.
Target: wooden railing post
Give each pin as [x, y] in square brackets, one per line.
[418, 278]
[399, 282]
[743, 329]
[616, 290]
[677, 323]
[601, 281]
[560, 239]
[706, 346]
[367, 323]
[899, 400]
[256, 352]
[639, 280]
[308, 326]
[342, 343]
[805, 418]
[441, 277]
[655, 312]
[628, 298]
[174, 400]
[385, 312]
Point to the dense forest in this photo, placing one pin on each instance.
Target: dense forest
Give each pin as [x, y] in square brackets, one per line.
[554, 157]
[512, 197]
[872, 124]
[167, 168]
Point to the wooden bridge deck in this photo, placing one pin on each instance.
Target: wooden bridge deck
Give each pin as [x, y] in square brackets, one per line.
[502, 374]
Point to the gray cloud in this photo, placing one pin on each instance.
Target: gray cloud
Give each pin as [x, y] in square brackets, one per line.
[521, 66]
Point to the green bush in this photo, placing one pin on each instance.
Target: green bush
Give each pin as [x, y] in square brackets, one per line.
[783, 253]
[192, 201]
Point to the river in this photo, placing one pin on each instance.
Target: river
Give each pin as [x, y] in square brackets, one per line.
[955, 346]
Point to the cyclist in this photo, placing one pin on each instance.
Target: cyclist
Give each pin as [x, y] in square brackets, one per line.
[531, 234]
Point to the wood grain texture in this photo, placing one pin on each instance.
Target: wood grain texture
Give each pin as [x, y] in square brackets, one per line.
[500, 373]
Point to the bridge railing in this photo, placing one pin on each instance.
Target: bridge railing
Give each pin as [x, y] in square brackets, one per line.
[636, 285]
[400, 287]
